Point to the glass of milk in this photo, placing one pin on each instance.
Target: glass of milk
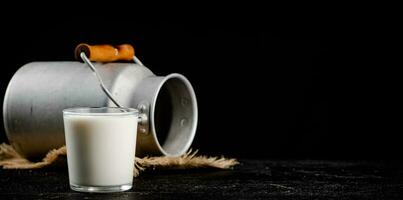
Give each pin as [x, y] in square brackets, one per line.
[101, 145]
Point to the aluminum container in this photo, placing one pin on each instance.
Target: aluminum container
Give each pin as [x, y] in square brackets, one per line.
[39, 91]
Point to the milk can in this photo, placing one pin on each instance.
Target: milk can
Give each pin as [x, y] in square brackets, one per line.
[39, 91]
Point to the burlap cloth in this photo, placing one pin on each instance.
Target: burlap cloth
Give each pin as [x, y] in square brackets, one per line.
[10, 159]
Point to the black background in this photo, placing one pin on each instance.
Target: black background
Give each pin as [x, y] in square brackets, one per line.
[266, 88]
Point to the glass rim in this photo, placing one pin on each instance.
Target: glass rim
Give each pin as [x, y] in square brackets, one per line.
[85, 111]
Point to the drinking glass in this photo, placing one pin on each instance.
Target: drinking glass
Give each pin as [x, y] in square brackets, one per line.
[101, 145]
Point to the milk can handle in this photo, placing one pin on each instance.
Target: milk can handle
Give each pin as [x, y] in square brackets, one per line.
[108, 53]
[105, 53]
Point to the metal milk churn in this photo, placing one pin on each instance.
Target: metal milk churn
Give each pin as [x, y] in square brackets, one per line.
[39, 91]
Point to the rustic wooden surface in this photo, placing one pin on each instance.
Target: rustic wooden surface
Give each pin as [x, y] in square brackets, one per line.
[253, 179]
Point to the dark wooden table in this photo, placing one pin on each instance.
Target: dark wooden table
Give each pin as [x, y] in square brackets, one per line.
[253, 179]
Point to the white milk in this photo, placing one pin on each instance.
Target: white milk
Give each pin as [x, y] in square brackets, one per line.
[101, 149]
